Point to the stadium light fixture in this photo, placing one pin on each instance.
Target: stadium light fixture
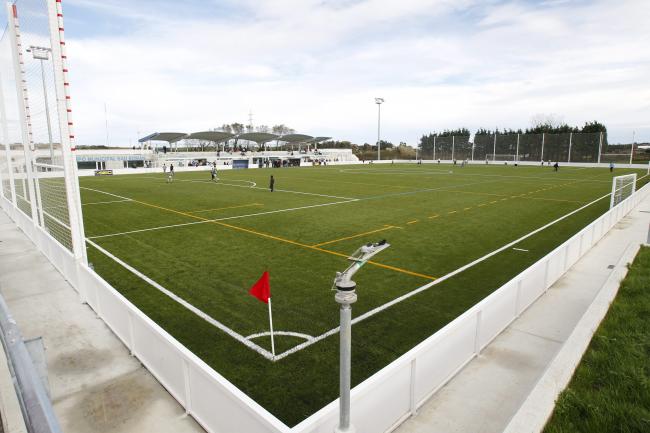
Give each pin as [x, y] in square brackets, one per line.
[43, 54]
[379, 101]
[346, 296]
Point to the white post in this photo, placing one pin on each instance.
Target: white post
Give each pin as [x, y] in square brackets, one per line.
[453, 146]
[378, 101]
[542, 156]
[23, 106]
[47, 113]
[600, 146]
[434, 147]
[473, 146]
[632, 153]
[271, 327]
[570, 143]
[5, 140]
[494, 148]
[59, 60]
[517, 156]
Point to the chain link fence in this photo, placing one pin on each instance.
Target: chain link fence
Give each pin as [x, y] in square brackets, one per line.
[565, 147]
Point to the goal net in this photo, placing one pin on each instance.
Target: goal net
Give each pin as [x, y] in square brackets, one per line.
[622, 188]
[500, 157]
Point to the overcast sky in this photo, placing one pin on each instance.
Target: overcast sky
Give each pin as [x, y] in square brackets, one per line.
[316, 65]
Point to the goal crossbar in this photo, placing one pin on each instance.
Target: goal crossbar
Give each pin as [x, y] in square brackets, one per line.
[622, 187]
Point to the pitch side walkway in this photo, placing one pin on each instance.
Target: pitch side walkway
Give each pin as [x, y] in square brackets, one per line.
[95, 385]
[488, 392]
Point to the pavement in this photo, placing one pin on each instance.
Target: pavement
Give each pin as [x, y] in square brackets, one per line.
[488, 393]
[95, 384]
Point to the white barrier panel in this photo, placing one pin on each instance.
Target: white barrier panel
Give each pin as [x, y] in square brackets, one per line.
[379, 403]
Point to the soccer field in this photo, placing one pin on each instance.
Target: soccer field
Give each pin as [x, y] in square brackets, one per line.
[187, 252]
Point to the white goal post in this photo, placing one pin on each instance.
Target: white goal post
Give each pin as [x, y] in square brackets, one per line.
[622, 187]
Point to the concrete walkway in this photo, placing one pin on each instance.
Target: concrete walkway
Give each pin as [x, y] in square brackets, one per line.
[95, 385]
[489, 391]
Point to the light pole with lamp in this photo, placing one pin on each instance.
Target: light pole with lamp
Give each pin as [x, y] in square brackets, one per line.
[346, 296]
[43, 53]
[379, 101]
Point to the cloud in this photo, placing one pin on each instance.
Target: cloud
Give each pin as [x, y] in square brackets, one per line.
[316, 65]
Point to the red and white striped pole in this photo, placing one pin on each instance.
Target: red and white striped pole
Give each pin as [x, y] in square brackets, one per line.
[60, 61]
[24, 111]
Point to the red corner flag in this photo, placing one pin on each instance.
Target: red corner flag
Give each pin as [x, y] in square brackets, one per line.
[262, 288]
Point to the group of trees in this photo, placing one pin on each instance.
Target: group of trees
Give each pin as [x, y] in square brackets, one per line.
[238, 128]
[540, 125]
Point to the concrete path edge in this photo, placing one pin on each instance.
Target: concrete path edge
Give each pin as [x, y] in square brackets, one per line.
[540, 403]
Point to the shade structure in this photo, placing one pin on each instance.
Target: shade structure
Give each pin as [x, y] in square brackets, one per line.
[319, 139]
[296, 138]
[170, 137]
[214, 136]
[257, 137]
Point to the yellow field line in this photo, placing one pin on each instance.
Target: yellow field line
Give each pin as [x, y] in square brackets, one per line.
[412, 222]
[228, 207]
[434, 216]
[354, 236]
[277, 238]
[520, 195]
[453, 211]
[467, 208]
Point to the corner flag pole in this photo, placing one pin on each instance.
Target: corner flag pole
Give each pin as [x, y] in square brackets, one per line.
[271, 325]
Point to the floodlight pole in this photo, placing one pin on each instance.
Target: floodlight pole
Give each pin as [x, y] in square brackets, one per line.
[346, 296]
[41, 54]
[379, 101]
[632, 150]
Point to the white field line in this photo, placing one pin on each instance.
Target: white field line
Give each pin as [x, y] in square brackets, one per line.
[244, 340]
[266, 212]
[218, 219]
[412, 293]
[287, 333]
[106, 202]
[104, 192]
[253, 186]
[278, 190]
[520, 249]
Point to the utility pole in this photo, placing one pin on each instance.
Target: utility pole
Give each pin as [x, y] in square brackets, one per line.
[379, 101]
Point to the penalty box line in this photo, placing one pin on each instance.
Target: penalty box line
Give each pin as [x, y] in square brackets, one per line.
[427, 286]
[264, 235]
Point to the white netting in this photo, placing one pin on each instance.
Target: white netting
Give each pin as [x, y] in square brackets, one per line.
[49, 182]
[500, 157]
[13, 148]
[31, 139]
[622, 188]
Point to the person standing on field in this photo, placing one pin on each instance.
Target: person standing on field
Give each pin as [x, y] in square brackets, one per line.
[271, 183]
[611, 166]
[164, 168]
[556, 166]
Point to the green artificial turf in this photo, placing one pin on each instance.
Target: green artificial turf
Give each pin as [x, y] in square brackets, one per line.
[610, 390]
[437, 218]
